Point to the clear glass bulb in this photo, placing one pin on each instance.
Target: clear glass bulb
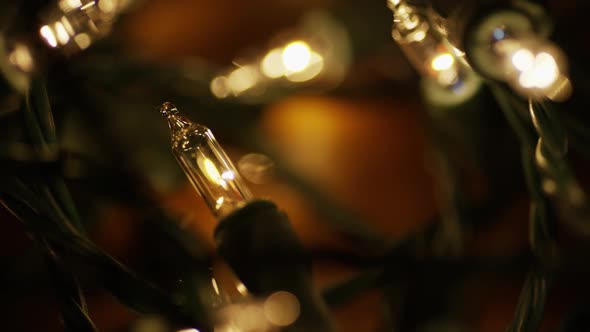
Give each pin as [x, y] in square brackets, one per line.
[206, 165]
[421, 45]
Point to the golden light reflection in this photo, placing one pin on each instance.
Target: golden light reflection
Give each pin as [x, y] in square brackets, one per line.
[47, 34]
[272, 64]
[21, 58]
[214, 284]
[241, 288]
[255, 167]
[296, 56]
[188, 330]
[281, 308]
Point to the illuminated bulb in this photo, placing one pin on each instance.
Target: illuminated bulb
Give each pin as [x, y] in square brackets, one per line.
[75, 24]
[282, 308]
[296, 56]
[62, 35]
[242, 79]
[523, 59]
[314, 68]
[545, 70]
[21, 58]
[219, 87]
[535, 71]
[272, 64]
[423, 48]
[82, 40]
[48, 35]
[442, 62]
[206, 165]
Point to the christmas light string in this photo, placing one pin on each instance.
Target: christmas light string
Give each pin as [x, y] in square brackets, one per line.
[535, 69]
[447, 84]
[535, 73]
[251, 237]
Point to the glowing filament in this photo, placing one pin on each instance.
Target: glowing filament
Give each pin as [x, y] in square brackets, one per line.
[211, 172]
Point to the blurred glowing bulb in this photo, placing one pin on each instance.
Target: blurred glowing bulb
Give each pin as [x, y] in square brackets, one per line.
[219, 87]
[21, 57]
[393, 3]
[206, 165]
[107, 6]
[282, 308]
[69, 5]
[82, 40]
[296, 56]
[272, 64]
[442, 62]
[523, 59]
[62, 35]
[242, 79]
[542, 74]
[48, 35]
[315, 66]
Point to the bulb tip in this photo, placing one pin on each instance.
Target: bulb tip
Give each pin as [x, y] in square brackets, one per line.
[168, 109]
